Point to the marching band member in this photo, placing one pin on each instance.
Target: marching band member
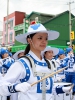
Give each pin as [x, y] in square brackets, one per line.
[61, 63]
[5, 62]
[18, 54]
[70, 73]
[22, 71]
[49, 53]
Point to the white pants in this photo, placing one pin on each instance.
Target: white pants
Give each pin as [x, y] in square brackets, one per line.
[14, 96]
[3, 97]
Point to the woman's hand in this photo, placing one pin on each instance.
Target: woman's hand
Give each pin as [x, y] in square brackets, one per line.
[23, 87]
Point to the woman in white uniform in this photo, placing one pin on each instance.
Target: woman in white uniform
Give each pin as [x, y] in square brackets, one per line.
[18, 54]
[5, 62]
[37, 38]
[49, 53]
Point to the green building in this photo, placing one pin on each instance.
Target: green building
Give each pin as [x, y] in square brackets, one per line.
[59, 23]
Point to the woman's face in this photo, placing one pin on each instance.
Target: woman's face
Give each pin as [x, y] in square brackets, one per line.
[39, 41]
[49, 55]
[70, 53]
[62, 56]
[5, 55]
[20, 54]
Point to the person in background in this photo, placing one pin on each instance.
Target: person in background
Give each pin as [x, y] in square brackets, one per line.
[61, 63]
[70, 73]
[5, 62]
[49, 53]
[18, 54]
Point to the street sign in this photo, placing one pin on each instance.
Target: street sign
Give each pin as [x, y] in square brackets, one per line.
[72, 35]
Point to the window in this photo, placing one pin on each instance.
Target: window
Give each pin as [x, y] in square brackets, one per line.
[10, 25]
[5, 39]
[5, 26]
[11, 37]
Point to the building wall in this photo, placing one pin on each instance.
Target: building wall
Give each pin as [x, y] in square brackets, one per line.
[41, 18]
[11, 24]
[60, 24]
[19, 16]
[13, 20]
[1, 38]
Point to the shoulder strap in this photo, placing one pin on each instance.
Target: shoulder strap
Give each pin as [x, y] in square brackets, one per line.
[31, 61]
[27, 71]
[27, 59]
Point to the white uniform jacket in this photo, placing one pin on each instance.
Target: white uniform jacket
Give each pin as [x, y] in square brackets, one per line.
[20, 73]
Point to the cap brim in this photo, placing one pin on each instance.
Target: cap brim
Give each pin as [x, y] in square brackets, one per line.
[55, 50]
[15, 56]
[52, 35]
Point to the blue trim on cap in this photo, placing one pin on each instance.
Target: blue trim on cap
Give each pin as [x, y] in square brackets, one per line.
[3, 51]
[27, 71]
[35, 26]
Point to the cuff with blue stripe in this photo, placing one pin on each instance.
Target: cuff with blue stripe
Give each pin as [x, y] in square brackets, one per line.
[12, 88]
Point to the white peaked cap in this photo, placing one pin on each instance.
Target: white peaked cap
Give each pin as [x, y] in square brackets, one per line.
[15, 56]
[49, 48]
[35, 28]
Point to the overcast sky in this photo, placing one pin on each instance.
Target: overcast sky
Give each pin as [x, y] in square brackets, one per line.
[44, 6]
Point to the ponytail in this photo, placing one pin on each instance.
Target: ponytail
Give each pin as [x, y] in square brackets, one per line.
[27, 49]
[28, 46]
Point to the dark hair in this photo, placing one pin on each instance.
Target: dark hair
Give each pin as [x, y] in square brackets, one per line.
[45, 53]
[48, 63]
[28, 46]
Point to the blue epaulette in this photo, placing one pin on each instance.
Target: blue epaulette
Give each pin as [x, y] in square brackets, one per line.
[27, 71]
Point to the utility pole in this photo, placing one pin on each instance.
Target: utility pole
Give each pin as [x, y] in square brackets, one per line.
[7, 22]
[70, 24]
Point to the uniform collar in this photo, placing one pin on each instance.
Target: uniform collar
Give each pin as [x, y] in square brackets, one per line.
[35, 57]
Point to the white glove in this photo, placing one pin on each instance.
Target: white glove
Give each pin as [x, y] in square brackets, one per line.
[67, 89]
[23, 87]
